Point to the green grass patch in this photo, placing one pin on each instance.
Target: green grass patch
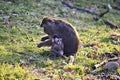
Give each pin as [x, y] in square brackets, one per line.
[21, 59]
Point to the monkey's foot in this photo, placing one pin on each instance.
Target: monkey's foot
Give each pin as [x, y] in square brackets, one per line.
[64, 57]
[71, 60]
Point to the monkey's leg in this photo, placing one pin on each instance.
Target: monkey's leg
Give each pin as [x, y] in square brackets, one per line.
[57, 53]
[44, 38]
[53, 51]
[71, 60]
[45, 43]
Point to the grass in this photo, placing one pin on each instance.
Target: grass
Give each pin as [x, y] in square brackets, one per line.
[21, 59]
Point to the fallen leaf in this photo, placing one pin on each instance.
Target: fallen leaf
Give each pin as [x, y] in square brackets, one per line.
[49, 69]
[68, 69]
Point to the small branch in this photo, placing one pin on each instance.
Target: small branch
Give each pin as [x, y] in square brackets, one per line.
[104, 62]
[116, 7]
[111, 24]
[98, 15]
[86, 9]
[96, 18]
[100, 64]
[113, 59]
[80, 8]
[102, 14]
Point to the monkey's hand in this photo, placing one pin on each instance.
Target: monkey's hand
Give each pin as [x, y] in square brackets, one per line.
[59, 53]
[44, 38]
[40, 45]
[45, 43]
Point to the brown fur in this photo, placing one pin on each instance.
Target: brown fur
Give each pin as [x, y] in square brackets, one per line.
[67, 32]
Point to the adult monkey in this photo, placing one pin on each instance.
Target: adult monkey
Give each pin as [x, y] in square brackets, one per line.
[68, 33]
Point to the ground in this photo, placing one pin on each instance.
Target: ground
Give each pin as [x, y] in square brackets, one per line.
[20, 32]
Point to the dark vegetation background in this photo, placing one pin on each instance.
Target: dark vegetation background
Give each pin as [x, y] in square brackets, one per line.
[20, 59]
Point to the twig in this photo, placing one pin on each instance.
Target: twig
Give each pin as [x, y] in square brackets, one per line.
[109, 23]
[105, 61]
[116, 7]
[80, 9]
[98, 15]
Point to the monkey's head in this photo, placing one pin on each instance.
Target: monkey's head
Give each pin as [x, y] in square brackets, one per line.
[57, 40]
[49, 25]
[57, 45]
[47, 21]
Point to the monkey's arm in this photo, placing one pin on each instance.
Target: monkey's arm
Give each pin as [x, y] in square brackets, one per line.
[59, 53]
[44, 38]
[45, 43]
[54, 51]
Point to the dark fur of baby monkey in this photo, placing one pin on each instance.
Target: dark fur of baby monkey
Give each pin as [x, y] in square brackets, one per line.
[57, 45]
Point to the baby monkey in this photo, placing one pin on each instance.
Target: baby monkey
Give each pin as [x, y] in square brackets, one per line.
[57, 46]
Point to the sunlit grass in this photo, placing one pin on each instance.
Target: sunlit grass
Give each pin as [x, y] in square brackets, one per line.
[21, 59]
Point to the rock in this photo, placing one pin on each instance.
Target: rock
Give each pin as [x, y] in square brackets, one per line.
[23, 62]
[9, 2]
[21, 41]
[111, 66]
[35, 55]
[90, 77]
[116, 77]
[14, 14]
[6, 17]
[31, 58]
[115, 42]
[32, 14]
[1, 12]
[64, 63]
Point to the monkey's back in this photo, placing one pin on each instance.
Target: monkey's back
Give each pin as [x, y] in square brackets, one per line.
[69, 36]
